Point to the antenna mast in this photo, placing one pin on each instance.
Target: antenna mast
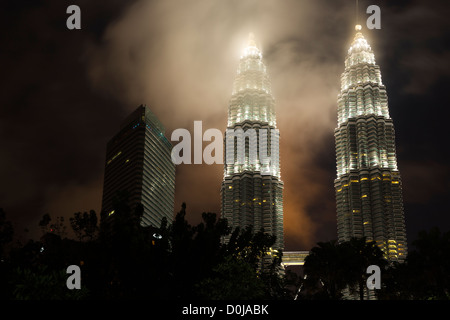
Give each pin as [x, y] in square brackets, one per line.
[357, 25]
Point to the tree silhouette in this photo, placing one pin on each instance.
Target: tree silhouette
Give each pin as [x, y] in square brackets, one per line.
[425, 273]
[432, 258]
[58, 227]
[359, 254]
[232, 279]
[179, 261]
[44, 284]
[245, 270]
[44, 223]
[84, 224]
[325, 264]
[337, 266]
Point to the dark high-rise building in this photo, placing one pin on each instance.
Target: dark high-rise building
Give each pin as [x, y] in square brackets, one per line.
[368, 184]
[138, 162]
[252, 190]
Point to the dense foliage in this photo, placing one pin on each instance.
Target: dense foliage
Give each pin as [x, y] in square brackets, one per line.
[120, 259]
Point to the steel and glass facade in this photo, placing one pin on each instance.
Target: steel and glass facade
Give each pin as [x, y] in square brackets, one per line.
[138, 161]
[252, 190]
[368, 184]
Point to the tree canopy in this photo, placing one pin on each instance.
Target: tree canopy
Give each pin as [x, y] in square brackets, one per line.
[121, 259]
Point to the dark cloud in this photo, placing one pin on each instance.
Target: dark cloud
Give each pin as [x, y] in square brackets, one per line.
[53, 127]
[65, 93]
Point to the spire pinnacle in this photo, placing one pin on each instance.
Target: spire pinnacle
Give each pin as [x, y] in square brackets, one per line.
[251, 40]
[251, 49]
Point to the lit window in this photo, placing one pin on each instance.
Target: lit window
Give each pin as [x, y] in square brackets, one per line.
[115, 156]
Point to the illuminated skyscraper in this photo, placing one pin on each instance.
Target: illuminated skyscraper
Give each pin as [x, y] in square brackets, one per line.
[252, 190]
[138, 162]
[368, 185]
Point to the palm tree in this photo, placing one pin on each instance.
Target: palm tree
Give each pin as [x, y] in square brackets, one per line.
[325, 264]
[360, 254]
[342, 265]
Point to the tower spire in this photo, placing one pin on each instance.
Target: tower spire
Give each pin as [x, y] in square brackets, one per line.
[368, 184]
[252, 189]
[251, 49]
[251, 40]
[357, 25]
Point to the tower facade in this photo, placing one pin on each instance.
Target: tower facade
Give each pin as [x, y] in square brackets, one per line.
[368, 185]
[252, 190]
[138, 162]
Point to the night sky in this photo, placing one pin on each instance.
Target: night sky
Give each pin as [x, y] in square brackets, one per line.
[64, 94]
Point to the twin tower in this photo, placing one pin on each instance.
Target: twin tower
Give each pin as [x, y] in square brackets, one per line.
[368, 184]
